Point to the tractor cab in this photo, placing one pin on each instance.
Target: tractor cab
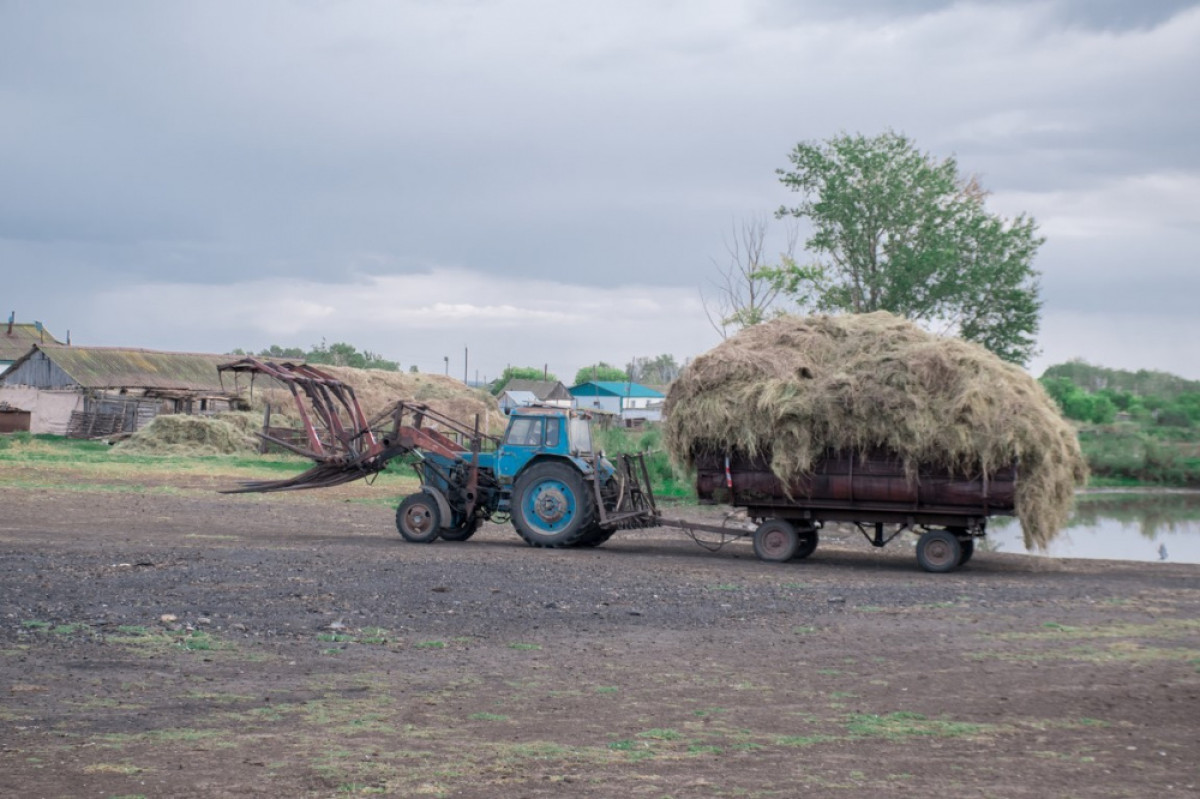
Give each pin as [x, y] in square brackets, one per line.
[544, 433]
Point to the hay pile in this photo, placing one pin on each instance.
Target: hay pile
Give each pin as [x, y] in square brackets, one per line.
[376, 389]
[794, 387]
[179, 434]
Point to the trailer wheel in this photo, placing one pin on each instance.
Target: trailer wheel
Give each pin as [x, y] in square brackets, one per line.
[939, 551]
[966, 541]
[776, 541]
[807, 544]
[551, 506]
[462, 531]
[418, 518]
[968, 549]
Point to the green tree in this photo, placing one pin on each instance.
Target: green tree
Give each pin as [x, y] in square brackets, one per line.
[519, 373]
[337, 354]
[655, 371]
[600, 371]
[894, 229]
[342, 354]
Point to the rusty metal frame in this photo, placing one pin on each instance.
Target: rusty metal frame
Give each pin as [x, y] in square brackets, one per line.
[342, 441]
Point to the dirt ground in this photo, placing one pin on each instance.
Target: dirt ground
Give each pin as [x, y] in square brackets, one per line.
[173, 642]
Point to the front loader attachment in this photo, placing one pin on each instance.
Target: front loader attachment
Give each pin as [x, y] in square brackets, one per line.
[345, 444]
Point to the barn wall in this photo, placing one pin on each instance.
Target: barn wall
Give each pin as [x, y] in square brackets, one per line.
[40, 372]
[50, 410]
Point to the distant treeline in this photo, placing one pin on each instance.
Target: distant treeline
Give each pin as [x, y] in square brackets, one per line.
[1135, 427]
[337, 354]
[1143, 382]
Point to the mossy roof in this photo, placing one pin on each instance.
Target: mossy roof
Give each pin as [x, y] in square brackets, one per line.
[113, 367]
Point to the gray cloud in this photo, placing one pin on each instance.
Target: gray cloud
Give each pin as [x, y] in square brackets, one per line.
[151, 144]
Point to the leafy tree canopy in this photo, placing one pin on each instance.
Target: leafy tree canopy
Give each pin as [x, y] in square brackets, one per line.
[1095, 394]
[655, 371]
[336, 354]
[600, 371]
[1143, 382]
[894, 229]
[519, 373]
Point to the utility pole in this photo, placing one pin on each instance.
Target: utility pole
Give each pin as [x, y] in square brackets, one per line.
[465, 353]
[446, 358]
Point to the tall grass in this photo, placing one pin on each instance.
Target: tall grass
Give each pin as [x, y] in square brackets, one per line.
[1127, 455]
[665, 479]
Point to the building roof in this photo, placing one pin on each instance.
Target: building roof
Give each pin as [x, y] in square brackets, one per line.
[23, 336]
[113, 367]
[544, 390]
[610, 388]
[522, 397]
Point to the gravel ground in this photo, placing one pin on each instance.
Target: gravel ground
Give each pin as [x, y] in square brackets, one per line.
[173, 642]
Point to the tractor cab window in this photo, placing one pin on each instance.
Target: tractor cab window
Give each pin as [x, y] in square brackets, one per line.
[553, 431]
[581, 436]
[525, 432]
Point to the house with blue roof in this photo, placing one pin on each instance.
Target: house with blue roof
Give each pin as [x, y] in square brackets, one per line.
[632, 402]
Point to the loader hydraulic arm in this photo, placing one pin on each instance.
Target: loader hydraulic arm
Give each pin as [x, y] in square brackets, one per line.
[345, 444]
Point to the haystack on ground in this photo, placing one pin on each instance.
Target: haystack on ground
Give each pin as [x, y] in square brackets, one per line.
[179, 434]
[792, 388]
[376, 389]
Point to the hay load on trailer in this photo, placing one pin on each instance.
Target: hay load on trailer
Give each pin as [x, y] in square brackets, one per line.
[797, 392]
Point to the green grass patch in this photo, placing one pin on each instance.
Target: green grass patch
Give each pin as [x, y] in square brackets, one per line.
[660, 735]
[905, 725]
[803, 740]
[521, 646]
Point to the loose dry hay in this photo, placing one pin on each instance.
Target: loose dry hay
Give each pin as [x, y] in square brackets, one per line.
[795, 387]
[193, 435]
[376, 389]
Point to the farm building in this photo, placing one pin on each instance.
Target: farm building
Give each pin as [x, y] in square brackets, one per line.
[633, 402]
[517, 399]
[16, 338]
[95, 391]
[546, 392]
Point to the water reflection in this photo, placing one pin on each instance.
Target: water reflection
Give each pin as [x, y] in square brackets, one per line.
[1119, 526]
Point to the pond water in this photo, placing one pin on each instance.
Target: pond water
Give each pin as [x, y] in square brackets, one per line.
[1118, 525]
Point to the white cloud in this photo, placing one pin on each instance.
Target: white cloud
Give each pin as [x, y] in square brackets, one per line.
[215, 171]
[1142, 205]
[1122, 341]
[418, 318]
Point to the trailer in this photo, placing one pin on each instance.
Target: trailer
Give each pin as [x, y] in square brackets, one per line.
[873, 490]
[546, 477]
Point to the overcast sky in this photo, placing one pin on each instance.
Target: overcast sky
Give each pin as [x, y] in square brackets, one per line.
[553, 182]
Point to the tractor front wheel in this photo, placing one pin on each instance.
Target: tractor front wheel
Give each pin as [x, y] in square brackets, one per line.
[418, 518]
[552, 506]
[461, 531]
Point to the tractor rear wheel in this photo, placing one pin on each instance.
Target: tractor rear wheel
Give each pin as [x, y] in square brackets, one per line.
[551, 505]
[418, 518]
[595, 536]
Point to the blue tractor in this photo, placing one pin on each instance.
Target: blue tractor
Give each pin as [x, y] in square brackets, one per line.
[544, 474]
